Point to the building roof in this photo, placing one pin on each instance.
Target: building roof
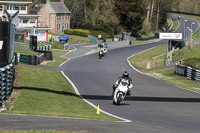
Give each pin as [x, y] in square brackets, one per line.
[16, 2]
[29, 15]
[59, 7]
[36, 28]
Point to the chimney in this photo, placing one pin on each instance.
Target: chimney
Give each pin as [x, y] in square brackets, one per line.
[62, 1]
[47, 1]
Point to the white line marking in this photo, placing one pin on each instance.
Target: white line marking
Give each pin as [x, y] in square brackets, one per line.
[155, 77]
[91, 104]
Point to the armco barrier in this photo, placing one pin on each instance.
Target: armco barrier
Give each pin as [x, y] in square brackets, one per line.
[30, 59]
[189, 72]
[6, 82]
[44, 48]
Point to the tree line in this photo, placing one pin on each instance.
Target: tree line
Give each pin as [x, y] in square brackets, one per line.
[116, 16]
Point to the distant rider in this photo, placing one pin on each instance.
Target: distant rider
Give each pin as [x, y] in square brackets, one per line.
[126, 77]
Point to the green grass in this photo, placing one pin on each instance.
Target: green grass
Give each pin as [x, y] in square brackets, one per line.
[37, 131]
[191, 56]
[47, 92]
[175, 25]
[169, 76]
[26, 52]
[57, 60]
[55, 45]
[154, 57]
[73, 38]
[149, 34]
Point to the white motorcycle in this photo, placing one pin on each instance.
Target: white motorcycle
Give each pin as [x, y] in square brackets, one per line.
[121, 91]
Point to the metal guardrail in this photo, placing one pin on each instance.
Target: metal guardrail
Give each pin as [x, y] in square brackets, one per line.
[44, 48]
[189, 72]
[6, 82]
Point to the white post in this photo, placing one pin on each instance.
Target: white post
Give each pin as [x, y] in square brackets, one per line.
[184, 28]
[191, 37]
[191, 25]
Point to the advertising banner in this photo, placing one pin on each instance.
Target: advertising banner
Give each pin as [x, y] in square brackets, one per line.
[175, 36]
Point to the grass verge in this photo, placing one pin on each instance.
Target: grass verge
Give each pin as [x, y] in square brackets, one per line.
[47, 92]
[169, 76]
[154, 56]
[57, 59]
[150, 58]
[175, 25]
[191, 56]
[73, 38]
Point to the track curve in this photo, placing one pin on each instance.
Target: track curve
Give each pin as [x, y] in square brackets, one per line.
[152, 102]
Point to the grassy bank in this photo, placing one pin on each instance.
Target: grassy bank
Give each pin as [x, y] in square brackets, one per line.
[175, 25]
[150, 58]
[47, 92]
[191, 56]
[155, 58]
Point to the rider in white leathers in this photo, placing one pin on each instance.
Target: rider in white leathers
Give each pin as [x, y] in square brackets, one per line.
[125, 76]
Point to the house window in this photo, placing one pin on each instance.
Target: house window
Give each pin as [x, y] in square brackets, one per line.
[58, 17]
[66, 17]
[8, 7]
[59, 26]
[25, 20]
[32, 20]
[16, 7]
[23, 7]
[67, 26]
[63, 17]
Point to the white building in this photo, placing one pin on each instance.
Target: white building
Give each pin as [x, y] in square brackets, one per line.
[28, 23]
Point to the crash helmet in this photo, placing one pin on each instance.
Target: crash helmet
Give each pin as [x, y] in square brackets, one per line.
[125, 74]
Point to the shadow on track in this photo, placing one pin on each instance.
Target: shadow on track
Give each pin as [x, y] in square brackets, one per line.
[148, 99]
[129, 98]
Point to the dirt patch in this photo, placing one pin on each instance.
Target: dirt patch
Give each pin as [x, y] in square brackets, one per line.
[45, 62]
[148, 65]
[158, 56]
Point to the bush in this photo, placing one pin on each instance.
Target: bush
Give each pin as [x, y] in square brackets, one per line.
[78, 32]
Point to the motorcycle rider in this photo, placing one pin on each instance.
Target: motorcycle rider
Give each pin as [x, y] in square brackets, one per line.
[126, 77]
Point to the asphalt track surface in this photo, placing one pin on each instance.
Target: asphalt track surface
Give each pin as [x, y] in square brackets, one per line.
[152, 102]
[153, 107]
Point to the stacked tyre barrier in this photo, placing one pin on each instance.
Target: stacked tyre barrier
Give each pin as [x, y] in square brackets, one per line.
[30, 59]
[44, 48]
[189, 72]
[6, 82]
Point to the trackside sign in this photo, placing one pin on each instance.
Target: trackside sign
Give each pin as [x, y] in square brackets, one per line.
[175, 36]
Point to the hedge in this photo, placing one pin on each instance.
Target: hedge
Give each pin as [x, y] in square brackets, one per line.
[78, 32]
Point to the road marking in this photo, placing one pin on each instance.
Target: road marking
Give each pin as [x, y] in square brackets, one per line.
[155, 77]
[91, 104]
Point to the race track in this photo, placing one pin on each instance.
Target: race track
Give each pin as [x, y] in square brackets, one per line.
[152, 101]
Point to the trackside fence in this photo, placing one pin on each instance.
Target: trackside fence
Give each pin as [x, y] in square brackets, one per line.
[189, 72]
[6, 82]
[44, 48]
